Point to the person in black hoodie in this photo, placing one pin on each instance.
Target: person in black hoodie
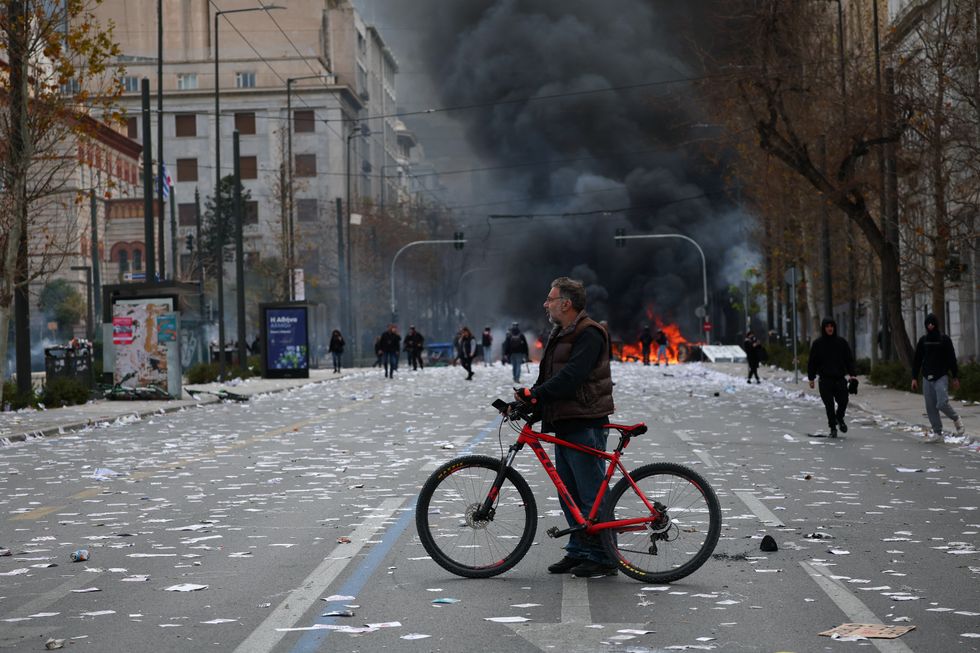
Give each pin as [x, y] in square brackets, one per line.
[831, 360]
[936, 359]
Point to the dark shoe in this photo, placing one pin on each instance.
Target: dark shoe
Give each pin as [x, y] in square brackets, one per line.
[590, 569]
[833, 432]
[841, 425]
[565, 565]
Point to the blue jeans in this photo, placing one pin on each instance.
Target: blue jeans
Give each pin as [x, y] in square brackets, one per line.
[582, 474]
[390, 362]
[516, 362]
[336, 359]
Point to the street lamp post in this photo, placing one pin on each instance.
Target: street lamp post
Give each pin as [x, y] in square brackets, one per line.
[704, 271]
[291, 244]
[89, 306]
[456, 241]
[217, 181]
[358, 130]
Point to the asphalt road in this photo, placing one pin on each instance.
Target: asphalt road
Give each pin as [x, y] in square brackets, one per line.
[260, 511]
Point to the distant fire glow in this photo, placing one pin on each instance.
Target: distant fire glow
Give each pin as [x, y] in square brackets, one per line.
[677, 345]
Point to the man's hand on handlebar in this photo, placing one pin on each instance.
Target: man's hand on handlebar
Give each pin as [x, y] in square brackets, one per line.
[525, 396]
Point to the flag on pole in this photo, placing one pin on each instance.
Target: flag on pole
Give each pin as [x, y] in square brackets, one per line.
[166, 182]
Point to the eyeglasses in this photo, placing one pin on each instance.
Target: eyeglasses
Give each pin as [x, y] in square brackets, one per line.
[548, 300]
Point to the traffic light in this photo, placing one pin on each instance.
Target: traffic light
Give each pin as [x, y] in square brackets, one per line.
[460, 242]
[190, 242]
[620, 241]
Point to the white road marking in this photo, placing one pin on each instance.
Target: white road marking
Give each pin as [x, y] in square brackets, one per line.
[50, 597]
[759, 510]
[683, 435]
[706, 458]
[292, 609]
[850, 605]
[575, 600]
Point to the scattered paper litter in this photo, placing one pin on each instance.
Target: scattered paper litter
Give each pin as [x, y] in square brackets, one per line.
[185, 587]
[506, 620]
[445, 600]
[86, 589]
[338, 597]
[415, 636]
[866, 631]
[98, 613]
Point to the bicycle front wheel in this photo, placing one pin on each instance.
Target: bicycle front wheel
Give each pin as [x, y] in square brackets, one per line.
[680, 540]
[457, 540]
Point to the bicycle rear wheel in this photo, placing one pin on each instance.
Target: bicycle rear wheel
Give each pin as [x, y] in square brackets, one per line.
[461, 544]
[680, 541]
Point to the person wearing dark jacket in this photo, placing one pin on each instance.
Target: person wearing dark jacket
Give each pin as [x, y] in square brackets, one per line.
[574, 393]
[645, 339]
[753, 354]
[390, 346]
[466, 351]
[935, 358]
[515, 350]
[336, 349]
[414, 345]
[831, 360]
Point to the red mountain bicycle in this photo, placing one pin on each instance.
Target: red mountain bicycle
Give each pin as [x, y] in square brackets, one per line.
[476, 515]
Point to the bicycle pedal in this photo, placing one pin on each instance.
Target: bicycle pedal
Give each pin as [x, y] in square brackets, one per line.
[553, 532]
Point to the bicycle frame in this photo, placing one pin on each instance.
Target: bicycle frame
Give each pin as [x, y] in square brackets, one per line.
[590, 525]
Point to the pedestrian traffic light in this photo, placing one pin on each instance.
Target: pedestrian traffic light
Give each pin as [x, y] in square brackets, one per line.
[190, 242]
[620, 238]
[460, 242]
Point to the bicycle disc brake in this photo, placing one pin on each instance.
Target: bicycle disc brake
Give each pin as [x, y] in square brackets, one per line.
[660, 528]
[478, 522]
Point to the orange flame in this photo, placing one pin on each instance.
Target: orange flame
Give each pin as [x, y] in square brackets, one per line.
[677, 344]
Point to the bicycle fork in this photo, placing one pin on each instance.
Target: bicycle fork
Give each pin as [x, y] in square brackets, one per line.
[486, 511]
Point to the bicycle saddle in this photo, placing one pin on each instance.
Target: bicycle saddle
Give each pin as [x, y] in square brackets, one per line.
[631, 430]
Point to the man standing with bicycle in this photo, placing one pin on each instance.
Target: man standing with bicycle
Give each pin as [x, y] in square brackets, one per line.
[573, 393]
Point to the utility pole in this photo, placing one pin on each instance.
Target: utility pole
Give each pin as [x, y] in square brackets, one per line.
[239, 255]
[20, 156]
[148, 228]
[162, 181]
[886, 344]
[96, 263]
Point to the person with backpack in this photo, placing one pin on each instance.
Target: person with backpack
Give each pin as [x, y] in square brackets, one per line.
[515, 350]
[753, 355]
[661, 340]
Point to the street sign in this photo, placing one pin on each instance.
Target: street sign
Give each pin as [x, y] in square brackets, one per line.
[134, 276]
[707, 326]
[700, 312]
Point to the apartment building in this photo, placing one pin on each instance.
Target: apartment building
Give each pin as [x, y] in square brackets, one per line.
[317, 57]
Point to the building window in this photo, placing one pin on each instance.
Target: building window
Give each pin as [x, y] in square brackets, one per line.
[187, 264]
[187, 214]
[251, 215]
[132, 128]
[306, 210]
[185, 124]
[303, 121]
[186, 169]
[71, 87]
[252, 259]
[245, 123]
[249, 167]
[131, 84]
[245, 80]
[123, 261]
[305, 165]
[186, 81]
[137, 260]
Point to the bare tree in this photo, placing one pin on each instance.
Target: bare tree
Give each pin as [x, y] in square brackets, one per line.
[59, 70]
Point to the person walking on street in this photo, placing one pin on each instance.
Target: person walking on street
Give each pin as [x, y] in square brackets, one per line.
[390, 345]
[831, 360]
[573, 392]
[379, 361]
[486, 345]
[753, 354]
[414, 346]
[645, 339]
[661, 340]
[935, 358]
[336, 349]
[467, 351]
[515, 350]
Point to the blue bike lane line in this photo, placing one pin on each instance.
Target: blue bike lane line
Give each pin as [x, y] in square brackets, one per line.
[290, 611]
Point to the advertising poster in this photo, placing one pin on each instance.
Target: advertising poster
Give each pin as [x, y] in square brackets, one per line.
[167, 327]
[287, 339]
[140, 357]
[122, 331]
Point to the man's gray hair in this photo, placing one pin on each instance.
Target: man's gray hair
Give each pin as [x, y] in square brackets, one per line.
[571, 290]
